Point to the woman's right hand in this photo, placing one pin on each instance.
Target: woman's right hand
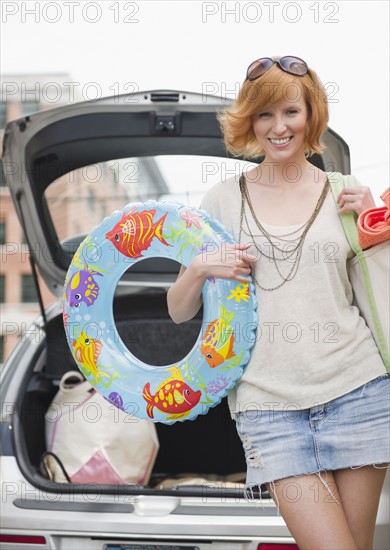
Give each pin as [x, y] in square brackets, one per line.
[229, 261]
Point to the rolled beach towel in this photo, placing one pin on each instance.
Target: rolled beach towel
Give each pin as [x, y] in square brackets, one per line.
[374, 224]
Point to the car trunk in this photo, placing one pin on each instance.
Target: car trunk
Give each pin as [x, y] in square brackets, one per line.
[207, 447]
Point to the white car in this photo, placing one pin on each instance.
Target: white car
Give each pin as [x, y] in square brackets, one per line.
[76, 165]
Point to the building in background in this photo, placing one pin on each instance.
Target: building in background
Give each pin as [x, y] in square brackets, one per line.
[76, 201]
[21, 95]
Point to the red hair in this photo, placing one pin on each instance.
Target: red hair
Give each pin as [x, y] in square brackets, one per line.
[254, 96]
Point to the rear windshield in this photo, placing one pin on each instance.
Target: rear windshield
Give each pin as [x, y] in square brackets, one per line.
[79, 200]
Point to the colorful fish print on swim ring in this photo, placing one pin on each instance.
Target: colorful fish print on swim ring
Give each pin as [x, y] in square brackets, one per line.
[175, 392]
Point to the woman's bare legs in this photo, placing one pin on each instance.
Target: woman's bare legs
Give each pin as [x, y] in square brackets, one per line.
[360, 490]
[333, 510]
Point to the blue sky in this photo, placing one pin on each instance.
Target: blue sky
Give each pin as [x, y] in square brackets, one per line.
[194, 45]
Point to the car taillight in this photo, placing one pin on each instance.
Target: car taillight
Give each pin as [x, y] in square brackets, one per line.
[270, 546]
[25, 539]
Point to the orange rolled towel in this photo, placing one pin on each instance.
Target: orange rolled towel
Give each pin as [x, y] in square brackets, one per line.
[374, 224]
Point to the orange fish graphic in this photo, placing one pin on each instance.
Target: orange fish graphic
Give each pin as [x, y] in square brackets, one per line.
[173, 396]
[218, 340]
[134, 232]
[86, 351]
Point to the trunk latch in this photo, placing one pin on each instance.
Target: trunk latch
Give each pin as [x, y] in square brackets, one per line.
[164, 124]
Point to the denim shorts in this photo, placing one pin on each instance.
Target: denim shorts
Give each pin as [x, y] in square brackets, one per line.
[350, 431]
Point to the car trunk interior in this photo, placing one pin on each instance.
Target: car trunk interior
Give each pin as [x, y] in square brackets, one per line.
[207, 447]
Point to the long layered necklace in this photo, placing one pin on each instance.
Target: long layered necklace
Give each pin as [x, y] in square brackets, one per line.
[296, 248]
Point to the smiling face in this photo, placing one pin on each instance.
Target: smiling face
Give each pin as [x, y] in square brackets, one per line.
[280, 130]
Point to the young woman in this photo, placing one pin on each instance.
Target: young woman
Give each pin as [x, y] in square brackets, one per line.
[312, 407]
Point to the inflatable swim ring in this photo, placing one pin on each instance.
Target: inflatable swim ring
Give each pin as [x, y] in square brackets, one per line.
[179, 391]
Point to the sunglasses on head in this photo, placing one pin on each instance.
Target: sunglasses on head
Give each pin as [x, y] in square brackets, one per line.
[288, 63]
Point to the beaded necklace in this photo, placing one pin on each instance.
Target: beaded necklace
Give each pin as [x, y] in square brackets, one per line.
[297, 249]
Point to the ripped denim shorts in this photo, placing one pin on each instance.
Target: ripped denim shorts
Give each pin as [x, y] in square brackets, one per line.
[350, 431]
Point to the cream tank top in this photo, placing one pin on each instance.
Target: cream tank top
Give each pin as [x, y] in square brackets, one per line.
[311, 345]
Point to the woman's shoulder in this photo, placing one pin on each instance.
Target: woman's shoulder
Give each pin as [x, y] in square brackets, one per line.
[223, 191]
[222, 199]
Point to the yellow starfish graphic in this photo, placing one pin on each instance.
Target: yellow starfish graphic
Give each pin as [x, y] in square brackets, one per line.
[241, 292]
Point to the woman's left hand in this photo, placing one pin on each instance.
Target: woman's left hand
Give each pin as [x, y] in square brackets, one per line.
[358, 199]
